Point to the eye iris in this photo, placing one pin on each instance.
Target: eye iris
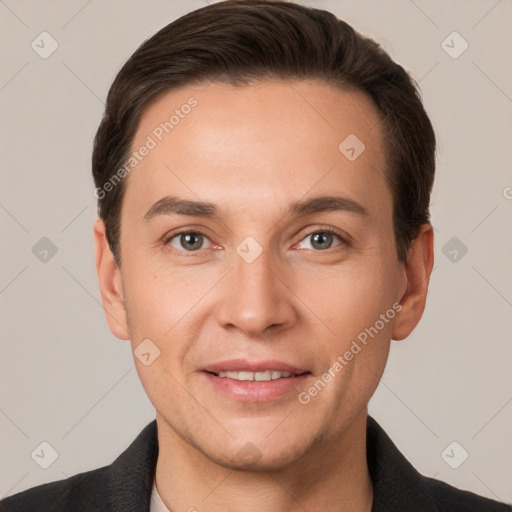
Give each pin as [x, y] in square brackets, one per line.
[320, 238]
[195, 240]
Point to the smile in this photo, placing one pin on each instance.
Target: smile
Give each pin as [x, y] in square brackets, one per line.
[257, 376]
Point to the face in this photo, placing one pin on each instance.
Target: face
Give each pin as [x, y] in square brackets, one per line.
[254, 246]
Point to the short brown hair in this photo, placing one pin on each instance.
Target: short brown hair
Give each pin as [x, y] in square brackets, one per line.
[238, 41]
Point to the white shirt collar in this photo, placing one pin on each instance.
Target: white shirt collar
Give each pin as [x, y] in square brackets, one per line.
[157, 504]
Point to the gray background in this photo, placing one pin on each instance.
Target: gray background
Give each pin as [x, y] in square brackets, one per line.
[65, 379]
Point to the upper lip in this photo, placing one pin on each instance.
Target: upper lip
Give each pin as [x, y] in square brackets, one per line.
[243, 365]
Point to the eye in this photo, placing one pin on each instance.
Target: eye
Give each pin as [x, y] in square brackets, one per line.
[189, 241]
[321, 240]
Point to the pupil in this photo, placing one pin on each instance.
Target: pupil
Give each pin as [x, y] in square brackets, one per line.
[189, 239]
[320, 238]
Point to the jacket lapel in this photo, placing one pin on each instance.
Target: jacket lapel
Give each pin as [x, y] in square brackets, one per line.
[131, 474]
[397, 486]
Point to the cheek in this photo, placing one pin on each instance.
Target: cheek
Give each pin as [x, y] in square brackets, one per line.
[164, 306]
[158, 297]
[162, 386]
[349, 299]
[150, 304]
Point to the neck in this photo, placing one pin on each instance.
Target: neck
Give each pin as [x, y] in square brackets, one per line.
[334, 477]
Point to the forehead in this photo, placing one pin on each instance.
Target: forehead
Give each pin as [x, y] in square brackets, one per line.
[270, 141]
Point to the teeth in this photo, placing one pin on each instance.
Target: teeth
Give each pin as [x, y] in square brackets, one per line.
[257, 376]
[261, 376]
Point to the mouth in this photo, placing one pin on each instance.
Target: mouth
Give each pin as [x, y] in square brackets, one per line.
[263, 376]
[253, 381]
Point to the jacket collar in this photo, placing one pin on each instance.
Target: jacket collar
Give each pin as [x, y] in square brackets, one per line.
[131, 474]
[397, 486]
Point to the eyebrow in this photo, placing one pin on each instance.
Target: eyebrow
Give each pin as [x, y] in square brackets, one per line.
[169, 205]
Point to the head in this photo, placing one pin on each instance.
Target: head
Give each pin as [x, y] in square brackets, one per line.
[263, 175]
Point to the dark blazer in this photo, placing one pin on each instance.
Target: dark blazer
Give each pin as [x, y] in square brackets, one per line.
[125, 485]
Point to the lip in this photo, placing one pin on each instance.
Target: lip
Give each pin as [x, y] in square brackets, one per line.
[256, 391]
[243, 365]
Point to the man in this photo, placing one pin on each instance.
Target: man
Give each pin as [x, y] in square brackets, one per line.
[263, 175]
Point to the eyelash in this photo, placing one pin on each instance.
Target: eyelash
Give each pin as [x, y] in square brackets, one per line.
[331, 231]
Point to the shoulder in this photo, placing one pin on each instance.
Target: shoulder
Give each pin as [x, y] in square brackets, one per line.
[399, 487]
[123, 485]
[80, 493]
[448, 498]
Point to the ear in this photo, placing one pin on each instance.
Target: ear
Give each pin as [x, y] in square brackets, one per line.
[420, 260]
[111, 286]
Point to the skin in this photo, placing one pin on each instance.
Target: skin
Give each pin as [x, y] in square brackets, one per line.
[252, 151]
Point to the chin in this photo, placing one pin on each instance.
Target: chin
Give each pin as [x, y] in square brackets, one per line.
[258, 457]
[259, 463]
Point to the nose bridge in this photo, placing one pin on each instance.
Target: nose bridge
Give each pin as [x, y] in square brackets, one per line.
[256, 298]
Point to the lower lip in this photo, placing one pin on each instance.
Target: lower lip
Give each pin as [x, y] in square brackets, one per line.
[256, 391]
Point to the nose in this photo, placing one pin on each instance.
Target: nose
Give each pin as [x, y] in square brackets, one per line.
[256, 297]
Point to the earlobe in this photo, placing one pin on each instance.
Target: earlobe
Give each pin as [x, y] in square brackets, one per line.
[109, 280]
[420, 261]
